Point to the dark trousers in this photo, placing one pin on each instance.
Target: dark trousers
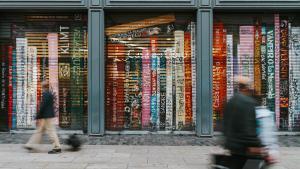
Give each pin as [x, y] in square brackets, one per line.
[237, 162]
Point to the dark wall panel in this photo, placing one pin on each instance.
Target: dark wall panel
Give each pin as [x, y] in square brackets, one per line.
[43, 4]
[160, 3]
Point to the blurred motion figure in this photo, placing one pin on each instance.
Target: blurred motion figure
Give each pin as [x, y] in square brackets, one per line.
[246, 128]
[45, 121]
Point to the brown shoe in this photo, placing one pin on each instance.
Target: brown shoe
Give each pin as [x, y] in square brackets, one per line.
[28, 148]
[54, 151]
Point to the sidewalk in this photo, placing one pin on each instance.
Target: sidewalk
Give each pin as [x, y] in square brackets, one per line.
[13, 156]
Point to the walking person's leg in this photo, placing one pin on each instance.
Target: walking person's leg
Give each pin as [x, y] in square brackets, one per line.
[37, 136]
[51, 131]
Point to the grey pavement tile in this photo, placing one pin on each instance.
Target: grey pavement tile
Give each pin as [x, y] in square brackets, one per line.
[133, 163]
[54, 158]
[25, 165]
[197, 161]
[85, 159]
[117, 160]
[106, 166]
[66, 166]
[188, 166]
[148, 166]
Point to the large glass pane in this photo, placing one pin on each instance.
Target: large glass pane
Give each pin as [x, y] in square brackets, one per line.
[265, 48]
[150, 71]
[36, 47]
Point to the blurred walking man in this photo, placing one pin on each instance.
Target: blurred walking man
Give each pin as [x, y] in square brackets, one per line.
[239, 127]
[45, 124]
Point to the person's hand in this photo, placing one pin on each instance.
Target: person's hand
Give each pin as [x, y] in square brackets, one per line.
[271, 159]
[38, 122]
[261, 151]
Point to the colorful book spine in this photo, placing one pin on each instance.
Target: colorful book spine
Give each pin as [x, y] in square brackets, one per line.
[257, 57]
[284, 73]
[31, 86]
[158, 92]
[219, 72]
[270, 69]
[188, 80]
[294, 77]
[114, 91]
[154, 115]
[136, 90]
[174, 120]
[146, 91]
[9, 85]
[14, 85]
[229, 67]
[163, 83]
[42, 71]
[53, 70]
[76, 79]
[64, 75]
[246, 52]
[3, 97]
[21, 47]
[127, 91]
[169, 89]
[180, 82]
[264, 80]
[194, 64]
[119, 58]
[277, 68]
[64, 72]
[110, 69]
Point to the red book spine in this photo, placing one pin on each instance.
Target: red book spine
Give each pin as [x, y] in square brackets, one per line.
[188, 79]
[10, 88]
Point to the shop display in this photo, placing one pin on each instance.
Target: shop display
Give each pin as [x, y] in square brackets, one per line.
[158, 68]
[44, 47]
[266, 49]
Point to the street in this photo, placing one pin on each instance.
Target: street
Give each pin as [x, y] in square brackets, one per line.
[13, 156]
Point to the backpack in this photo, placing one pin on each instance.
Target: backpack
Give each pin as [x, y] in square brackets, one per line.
[74, 142]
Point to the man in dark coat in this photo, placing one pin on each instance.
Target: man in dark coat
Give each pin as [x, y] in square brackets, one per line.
[46, 119]
[239, 124]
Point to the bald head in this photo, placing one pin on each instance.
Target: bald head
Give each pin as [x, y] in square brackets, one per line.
[245, 84]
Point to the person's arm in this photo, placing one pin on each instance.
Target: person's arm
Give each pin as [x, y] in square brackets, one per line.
[43, 104]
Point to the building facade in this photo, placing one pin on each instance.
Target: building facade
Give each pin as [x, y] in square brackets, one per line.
[143, 66]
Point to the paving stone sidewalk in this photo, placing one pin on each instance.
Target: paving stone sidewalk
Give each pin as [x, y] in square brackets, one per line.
[149, 139]
[13, 156]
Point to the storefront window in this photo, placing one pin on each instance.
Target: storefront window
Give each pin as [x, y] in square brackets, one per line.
[36, 47]
[265, 48]
[150, 71]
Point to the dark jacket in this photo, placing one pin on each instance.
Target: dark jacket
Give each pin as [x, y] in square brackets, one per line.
[47, 106]
[239, 125]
